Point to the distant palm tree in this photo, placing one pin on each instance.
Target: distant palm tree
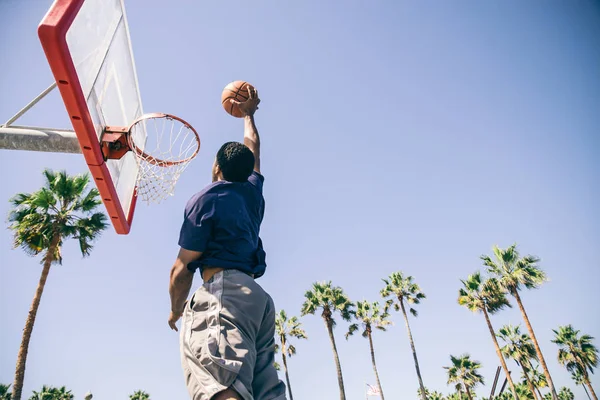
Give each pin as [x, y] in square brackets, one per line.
[523, 392]
[577, 376]
[564, 394]
[329, 299]
[538, 379]
[284, 329]
[431, 395]
[5, 392]
[577, 353]
[370, 316]
[464, 372]
[514, 273]
[435, 396]
[52, 393]
[486, 297]
[41, 222]
[403, 289]
[139, 395]
[519, 347]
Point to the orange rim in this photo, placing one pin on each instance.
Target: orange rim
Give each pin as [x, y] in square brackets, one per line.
[158, 161]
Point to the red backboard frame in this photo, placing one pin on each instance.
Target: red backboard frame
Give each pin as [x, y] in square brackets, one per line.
[52, 32]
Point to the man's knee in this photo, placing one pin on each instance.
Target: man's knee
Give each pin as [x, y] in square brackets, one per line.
[227, 394]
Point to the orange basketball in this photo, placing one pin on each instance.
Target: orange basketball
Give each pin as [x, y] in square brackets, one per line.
[238, 91]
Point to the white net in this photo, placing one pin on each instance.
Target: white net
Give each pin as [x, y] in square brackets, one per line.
[170, 145]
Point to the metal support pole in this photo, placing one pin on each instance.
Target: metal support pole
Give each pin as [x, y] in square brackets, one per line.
[31, 104]
[39, 139]
[495, 383]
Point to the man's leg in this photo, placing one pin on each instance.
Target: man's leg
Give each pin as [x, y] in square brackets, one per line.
[214, 355]
[266, 384]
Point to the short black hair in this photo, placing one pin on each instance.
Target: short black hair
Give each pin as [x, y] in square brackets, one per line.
[236, 161]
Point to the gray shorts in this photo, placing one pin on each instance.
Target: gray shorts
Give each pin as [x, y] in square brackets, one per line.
[228, 339]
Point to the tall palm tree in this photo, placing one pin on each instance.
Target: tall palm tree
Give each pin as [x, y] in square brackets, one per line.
[519, 347]
[52, 393]
[514, 273]
[403, 289]
[576, 353]
[5, 392]
[139, 395]
[369, 316]
[284, 329]
[41, 222]
[329, 299]
[488, 298]
[464, 373]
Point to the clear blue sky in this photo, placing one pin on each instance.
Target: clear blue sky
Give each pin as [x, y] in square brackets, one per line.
[397, 135]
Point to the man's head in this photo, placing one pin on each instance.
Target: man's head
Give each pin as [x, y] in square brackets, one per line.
[234, 163]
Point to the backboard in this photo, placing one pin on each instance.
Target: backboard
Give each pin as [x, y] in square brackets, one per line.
[88, 48]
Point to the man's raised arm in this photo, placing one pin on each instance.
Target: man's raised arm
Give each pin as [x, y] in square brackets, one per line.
[251, 138]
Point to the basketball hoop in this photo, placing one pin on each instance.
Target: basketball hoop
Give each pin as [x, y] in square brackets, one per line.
[170, 144]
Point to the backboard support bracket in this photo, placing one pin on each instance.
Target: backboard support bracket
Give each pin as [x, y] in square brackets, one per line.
[35, 138]
[114, 142]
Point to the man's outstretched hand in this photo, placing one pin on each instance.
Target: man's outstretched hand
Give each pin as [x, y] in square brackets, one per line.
[248, 107]
[174, 317]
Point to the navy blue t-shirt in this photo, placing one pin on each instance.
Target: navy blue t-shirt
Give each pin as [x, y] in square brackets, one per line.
[223, 222]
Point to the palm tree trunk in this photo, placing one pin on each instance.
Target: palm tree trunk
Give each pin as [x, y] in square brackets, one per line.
[414, 351]
[538, 351]
[529, 383]
[468, 392]
[502, 360]
[285, 368]
[329, 325]
[375, 365]
[539, 392]
[22, 356]
[589, 385]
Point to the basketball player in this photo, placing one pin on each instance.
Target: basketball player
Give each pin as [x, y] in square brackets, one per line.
[228, 325]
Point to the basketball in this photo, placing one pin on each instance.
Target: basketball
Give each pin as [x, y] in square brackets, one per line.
[238, 91]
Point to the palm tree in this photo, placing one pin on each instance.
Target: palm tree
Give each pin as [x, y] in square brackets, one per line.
[455, 396]
[329, 299]
[41, 222]
[576, 353]
[514, 273]
[5, 392]
[431, 395]
[435, 396]
[519, 348]
[523, 392]
[464, 373]
[486, 297]
[564, 394]
[403, 289]
[52, 393]
[284, 329]
[139, 395]
[538, 379]
[370, 316]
